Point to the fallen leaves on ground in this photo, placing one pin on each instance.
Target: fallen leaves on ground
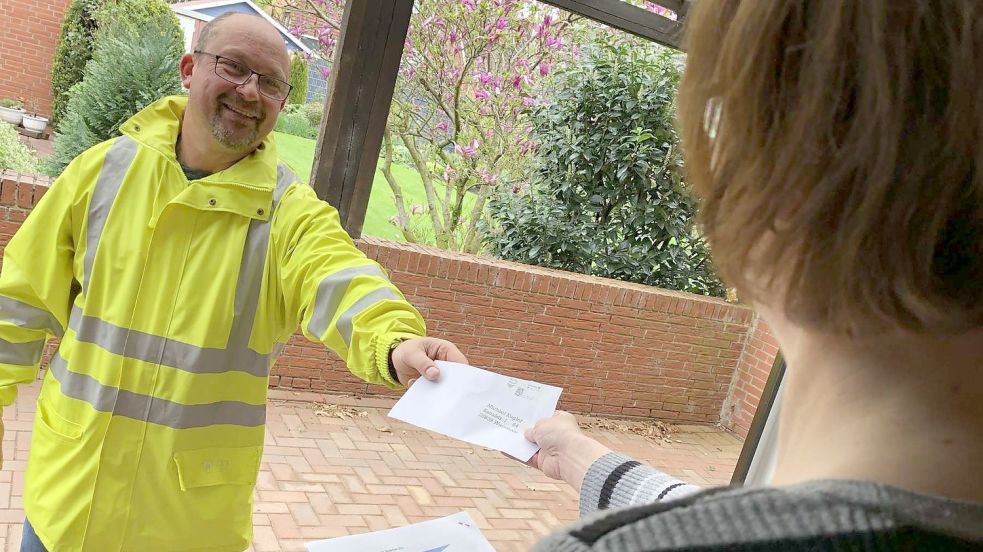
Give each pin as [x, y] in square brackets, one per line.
[338, 411]
[654, 430]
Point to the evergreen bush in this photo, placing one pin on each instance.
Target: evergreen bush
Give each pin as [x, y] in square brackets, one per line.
[293, 121]
[609, 198]
[314, 112]
[14, 155]
[298, 79]
[74, 50]
[134, 64]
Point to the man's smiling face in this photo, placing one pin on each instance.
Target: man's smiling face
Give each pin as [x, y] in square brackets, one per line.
[239, 116]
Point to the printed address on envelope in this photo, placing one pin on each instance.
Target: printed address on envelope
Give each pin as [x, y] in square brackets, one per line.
[478, 406]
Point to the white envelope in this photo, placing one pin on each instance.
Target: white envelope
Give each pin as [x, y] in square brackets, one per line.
[456, 533]
[478, 406]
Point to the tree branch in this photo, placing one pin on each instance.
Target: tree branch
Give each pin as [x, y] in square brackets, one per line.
[427, 177]
[401, 217]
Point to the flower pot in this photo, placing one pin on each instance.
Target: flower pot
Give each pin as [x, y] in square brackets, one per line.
[11, 115]
[35, 123]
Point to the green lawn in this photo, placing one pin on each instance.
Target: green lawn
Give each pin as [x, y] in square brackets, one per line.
[299, 154]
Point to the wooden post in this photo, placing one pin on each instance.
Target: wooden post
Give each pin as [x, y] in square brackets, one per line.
[768, 395]
[357, 107]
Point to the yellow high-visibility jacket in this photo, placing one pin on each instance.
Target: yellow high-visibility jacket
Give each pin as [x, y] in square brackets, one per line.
[172, 300]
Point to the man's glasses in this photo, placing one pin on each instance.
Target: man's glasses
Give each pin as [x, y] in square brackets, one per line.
[239, 74]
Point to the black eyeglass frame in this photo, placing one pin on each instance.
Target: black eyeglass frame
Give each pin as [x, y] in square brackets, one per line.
[219, 58]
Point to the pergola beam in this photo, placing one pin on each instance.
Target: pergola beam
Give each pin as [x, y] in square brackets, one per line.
[632, 19]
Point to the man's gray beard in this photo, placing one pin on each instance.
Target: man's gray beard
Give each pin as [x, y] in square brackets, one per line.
[221, 134]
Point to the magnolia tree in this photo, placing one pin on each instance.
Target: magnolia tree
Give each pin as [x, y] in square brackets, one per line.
[471, 69]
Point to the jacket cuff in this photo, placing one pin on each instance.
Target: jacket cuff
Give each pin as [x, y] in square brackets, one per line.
[383, 346]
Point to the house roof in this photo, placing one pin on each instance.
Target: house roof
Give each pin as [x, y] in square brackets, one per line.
[206, 10]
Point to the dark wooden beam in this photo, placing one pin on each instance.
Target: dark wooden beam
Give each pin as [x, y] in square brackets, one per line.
[632, 19]
[360, 92]
[768, 395]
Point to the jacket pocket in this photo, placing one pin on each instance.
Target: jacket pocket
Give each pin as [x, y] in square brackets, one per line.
[217, 466]
[56, 423]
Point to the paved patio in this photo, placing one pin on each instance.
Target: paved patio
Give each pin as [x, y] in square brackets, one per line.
[333, 471]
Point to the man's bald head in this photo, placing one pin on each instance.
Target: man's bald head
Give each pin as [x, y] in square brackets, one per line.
[248, 27]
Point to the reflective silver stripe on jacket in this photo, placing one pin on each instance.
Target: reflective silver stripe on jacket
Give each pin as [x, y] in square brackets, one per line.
[164, 351]
[331, 291]
[21, 354]
[25, 316]
[344, 324]
[154, 410]
[237, 356]
[114, 167]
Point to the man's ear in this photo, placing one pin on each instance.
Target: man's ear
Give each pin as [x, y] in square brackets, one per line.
[187, 68]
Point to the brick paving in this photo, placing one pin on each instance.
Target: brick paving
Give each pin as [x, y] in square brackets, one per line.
[324, 476]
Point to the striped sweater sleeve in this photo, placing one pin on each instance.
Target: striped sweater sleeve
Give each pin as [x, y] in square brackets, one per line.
[615, 480]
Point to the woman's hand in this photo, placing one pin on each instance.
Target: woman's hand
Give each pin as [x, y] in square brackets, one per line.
[566, 452]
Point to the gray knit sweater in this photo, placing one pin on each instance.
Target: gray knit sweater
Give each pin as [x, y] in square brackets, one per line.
[815, 516]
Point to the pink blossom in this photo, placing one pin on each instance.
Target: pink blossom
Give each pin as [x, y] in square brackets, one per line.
[443, 126]
[665, 12]
[528, 101]
[485, 78]
[481, 94]
[501, 24]
[471, 5]
[452, 38]
[544, 69]
[469, 150]
[554, 42]
[488, 178]
[517, 82]
[325, 72]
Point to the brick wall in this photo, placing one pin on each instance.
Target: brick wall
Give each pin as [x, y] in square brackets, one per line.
[615, 348]
[749, 379]
[28, 37]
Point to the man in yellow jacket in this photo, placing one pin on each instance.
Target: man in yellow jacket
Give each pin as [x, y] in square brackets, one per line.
[174, 262]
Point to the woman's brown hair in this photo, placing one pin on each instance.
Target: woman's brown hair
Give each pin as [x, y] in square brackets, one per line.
[836, 146]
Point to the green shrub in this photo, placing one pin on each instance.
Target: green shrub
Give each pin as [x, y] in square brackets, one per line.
[314, 111]
[293, 121]
[11, 103]
[118, 16]
[133, 65]
[298, 79]
[14, 155]
[73, 52]
[609, 197]
[80, 27]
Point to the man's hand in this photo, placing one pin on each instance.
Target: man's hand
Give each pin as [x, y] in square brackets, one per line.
[415, 357]
[566, 452]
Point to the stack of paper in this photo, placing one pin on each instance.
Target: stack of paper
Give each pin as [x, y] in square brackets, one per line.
[456, 533]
